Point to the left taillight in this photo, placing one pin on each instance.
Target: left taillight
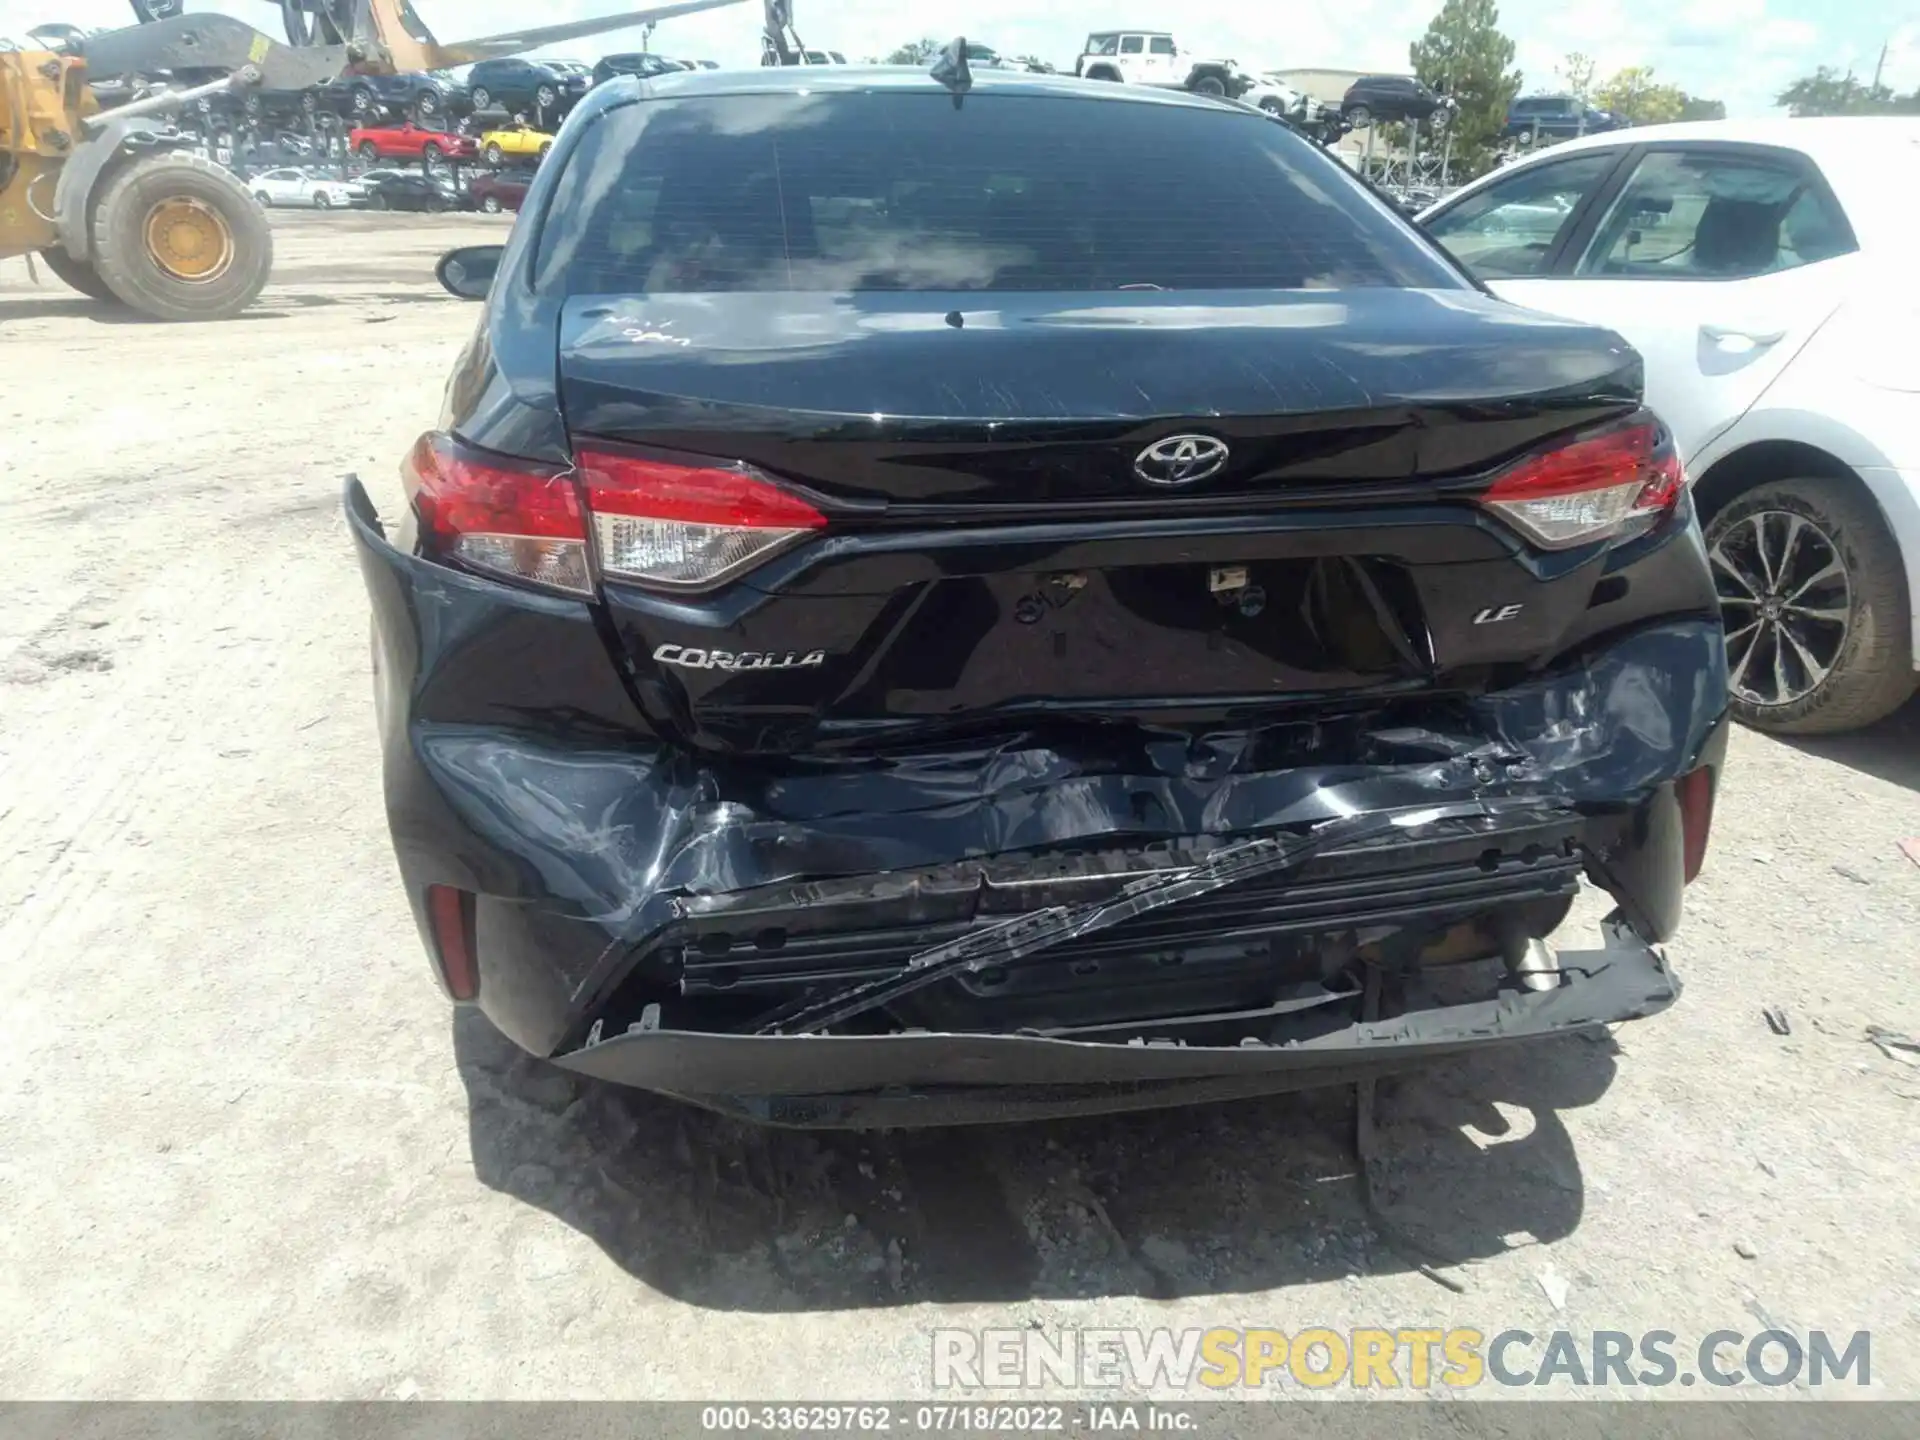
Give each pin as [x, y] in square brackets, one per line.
[516, 520]
[1610, 484]
[681, 523]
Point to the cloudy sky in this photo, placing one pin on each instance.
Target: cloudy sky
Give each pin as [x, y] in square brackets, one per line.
[1741, 51]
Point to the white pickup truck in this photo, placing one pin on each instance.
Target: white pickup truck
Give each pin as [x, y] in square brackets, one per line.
[1150, 57]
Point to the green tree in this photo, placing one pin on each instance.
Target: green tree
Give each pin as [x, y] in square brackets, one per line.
[915, 52]
[1577, 73]
[1465, 55]
[1692, 107]
[1828, 92]
[1637, 98]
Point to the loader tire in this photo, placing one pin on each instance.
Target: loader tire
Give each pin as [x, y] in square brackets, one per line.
[77, 273]
[178, 238]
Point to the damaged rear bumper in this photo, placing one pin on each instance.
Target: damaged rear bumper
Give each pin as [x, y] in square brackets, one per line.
[630, 897]
[925, 1079]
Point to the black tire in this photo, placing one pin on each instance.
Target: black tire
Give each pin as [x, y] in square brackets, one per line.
[77, 273]
[1104, 72]
[320, 201]
[1872, 674]
[482, 97]
[426, 105]
[369, 150]
[362, 100]
[266, 200]
[495, 155]
[378, 202]
[131, 271]
[546, 97]
[491, 205]
[545, 150]
[1209, 85]
[1359, 117]
[431, 155]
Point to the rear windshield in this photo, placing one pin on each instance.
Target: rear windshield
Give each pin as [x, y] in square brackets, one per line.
[902, 191]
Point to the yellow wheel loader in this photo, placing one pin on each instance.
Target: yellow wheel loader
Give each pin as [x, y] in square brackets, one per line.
[115, 199]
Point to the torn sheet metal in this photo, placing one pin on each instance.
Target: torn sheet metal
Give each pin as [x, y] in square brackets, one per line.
[623, 834]
[924, 1078]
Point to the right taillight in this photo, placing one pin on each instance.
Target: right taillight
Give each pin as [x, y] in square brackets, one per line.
[681, 524]
[1605, 485]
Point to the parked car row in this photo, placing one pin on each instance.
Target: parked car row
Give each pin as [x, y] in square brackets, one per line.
[428, 191]
[408, 141]
[544, 91]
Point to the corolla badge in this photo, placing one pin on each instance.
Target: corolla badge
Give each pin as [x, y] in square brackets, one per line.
[1181, 460]
[695, 658]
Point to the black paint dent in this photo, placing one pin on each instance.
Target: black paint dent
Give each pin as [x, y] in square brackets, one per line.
[534, 780]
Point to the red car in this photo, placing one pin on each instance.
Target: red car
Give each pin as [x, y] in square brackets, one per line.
[494, 193]
[410, 142]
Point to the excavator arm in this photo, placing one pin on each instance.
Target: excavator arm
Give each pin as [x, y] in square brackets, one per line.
[331, 37]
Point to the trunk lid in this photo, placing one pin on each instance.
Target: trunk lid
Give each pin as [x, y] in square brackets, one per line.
[1041, 400]
[1003, 544]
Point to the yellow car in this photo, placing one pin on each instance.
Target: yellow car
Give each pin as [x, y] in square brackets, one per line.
[497, 145]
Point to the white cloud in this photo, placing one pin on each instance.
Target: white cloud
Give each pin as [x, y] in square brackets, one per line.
[1741, 51]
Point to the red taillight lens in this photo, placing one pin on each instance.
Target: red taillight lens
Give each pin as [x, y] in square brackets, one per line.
[678, 524]
[450, 916]
[686, 525]
[515, 519]
[1694, 791]
[1600, 486]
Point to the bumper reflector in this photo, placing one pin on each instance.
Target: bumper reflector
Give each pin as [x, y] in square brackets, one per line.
[450, 913]
[1694, 791]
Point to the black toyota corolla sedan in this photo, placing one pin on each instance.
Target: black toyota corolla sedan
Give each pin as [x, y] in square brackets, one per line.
[915, 612]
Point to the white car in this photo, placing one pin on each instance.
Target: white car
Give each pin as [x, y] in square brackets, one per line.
[297, 187]
[1271, 94]
[1765, 272]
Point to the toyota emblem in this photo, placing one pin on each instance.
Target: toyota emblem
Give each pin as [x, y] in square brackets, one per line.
[1181, 460]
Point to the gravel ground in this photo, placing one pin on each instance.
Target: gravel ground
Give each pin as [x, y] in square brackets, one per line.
[246, 1152]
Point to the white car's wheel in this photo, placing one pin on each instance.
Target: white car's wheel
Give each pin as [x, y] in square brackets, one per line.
[1813, 594]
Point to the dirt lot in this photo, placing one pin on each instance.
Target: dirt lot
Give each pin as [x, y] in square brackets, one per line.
[245, 1152]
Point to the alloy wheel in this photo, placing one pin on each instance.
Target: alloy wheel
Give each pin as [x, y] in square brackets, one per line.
[1787, 602]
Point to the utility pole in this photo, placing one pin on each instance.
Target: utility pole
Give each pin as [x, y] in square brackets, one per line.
[1880, 66]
